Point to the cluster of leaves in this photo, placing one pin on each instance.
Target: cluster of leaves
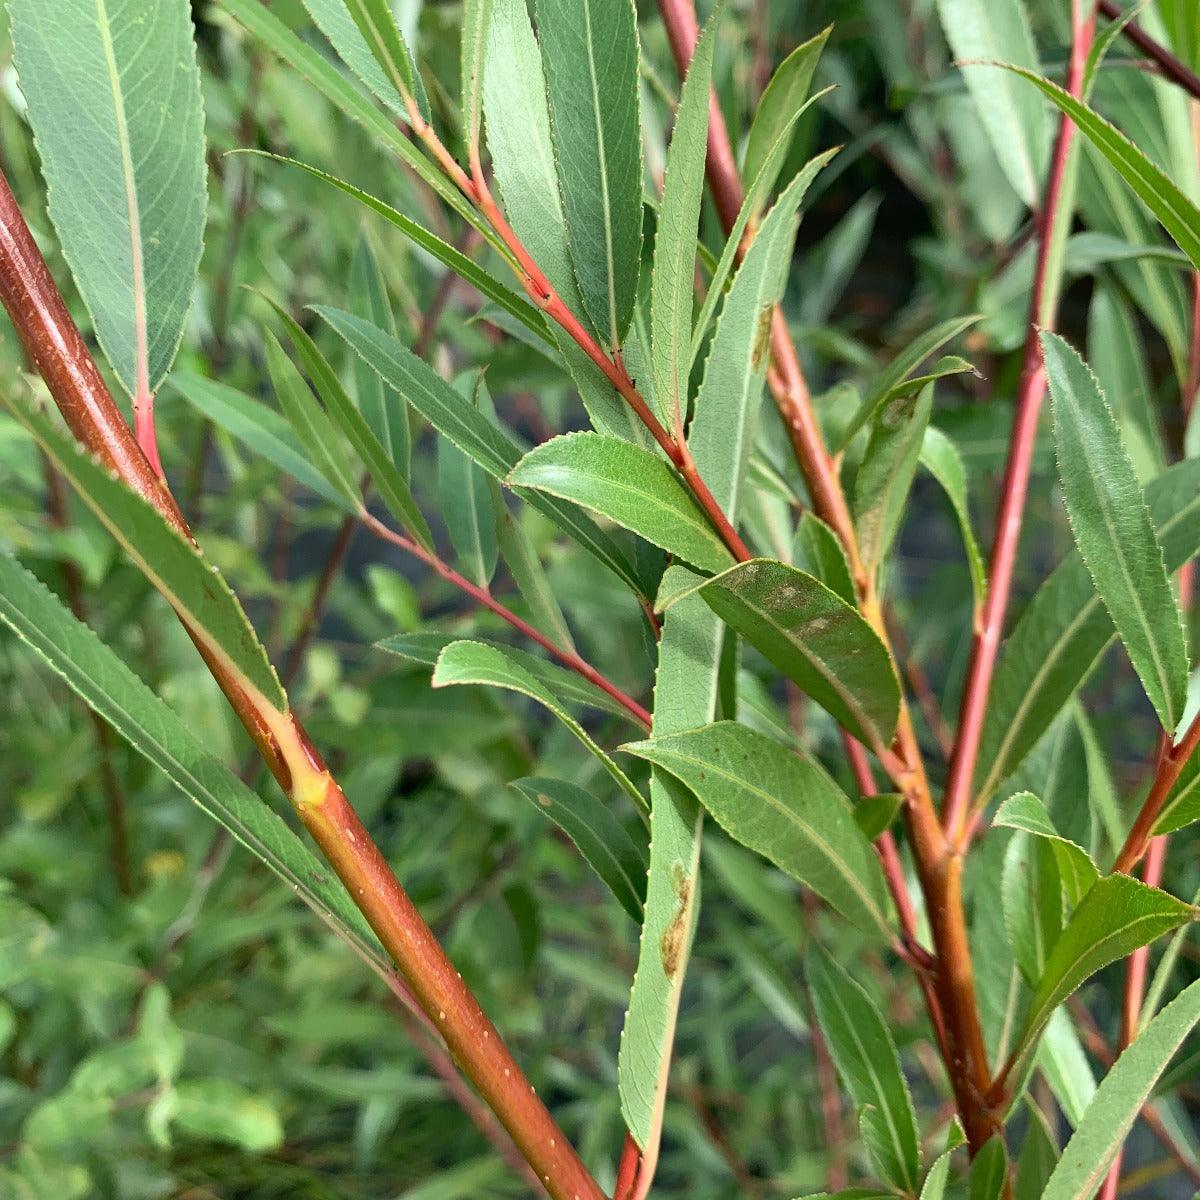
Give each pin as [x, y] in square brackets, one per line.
[383, 435]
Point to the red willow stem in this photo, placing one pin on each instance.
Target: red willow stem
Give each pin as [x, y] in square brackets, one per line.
[485, 598]
[1031, 392]
[55, 346]
[1166, 62]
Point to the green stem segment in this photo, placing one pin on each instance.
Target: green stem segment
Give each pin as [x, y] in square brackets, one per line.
[56, 348]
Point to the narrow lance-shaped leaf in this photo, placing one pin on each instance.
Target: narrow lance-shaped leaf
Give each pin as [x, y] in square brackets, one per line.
[817, 551]
[603, 841]
[1026, 812]
[723, 428]
[865, 1056]
[477, 17]
[783, 806]
[672, 280]
[1117, 915]
[1178, 214]
[989, 1171]
[626, 484]
[114, 101]
[1119, 1099]
[774, 116]
[521, 557]
[1113, 530]
[470, 430]
[383, 410]
[476, 663]
[175, 566]
[105, 683]
[466, 504]
[815, 638]
[393, 73]
[940, 457]
[887, 470]
[1064, 631]
[590, 53]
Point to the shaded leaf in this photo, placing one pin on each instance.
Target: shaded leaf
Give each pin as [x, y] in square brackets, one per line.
[1026, 812]
[989, 1171]
[940, 457]
[818, 551]
[476, 21]
[223, 1110]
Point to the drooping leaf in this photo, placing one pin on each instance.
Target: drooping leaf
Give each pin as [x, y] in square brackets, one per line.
[1170, 204]
[476, 23]
[865, 1056]
[887, 470]
[940, 457]
[426, 646]
[1114, 532]
[604, 842]
[1117, 915]
[467, 662]
[385, 413]
[782, 805]
[1065, 629]
[726, 418]
[816, 549]
[469, 429]
[174, 565]
[309, 422]
[590, 56]
[672, 281]
[262, 429]
[1026, 812]
[627, 485]
[104, 682]
[898, 370]
[1014, 121]
[1119, 1098]
[815, 638]
[114, 102]
[384, 473]
[774, 116]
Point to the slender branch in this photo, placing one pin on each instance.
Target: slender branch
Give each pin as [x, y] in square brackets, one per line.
[53, 343]
[1166, 62]
[1031, 392]
[484, 597]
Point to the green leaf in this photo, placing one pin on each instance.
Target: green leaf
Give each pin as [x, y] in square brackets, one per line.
[175, 566]
[815, 638]
[104, 82]
[751, 207]
[311, 425]
[886, 473]
[225, 1111]
[989, 1171]
[898, 371]
[512, 303]
[1031, 897]
[469, 429]
[466, 506]
[1014, 121]
[1064, 631]
[1039, 1153]
[468, 662]
[935, 1182]
[521, 558]
[379, 55]
[260, 427]
[105, 683]
[940, 457]
[817, 550]
[778, 107]
[1026, 812]
[1182, 805]
[590, 54]
[781, 805]
[875, 814]
[723, 428]
[1117, 915]
[476, 20]
[384, 411]
[1114, 532]
[1179, 215]
[603, 841]
[1119, 1099]
[378, 462]
[673, 278]
[865, 1056]
[426, 646]
[628, 485]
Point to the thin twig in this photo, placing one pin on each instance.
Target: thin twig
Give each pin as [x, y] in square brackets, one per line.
[1166, 62]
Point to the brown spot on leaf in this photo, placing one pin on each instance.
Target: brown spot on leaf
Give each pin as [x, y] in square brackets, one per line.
[762, 338]
[672, 942]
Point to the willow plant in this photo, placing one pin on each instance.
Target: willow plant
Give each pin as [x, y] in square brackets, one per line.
[744, 526]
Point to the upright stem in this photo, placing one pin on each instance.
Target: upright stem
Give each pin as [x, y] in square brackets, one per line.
[1031, 392]
[54, 345]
